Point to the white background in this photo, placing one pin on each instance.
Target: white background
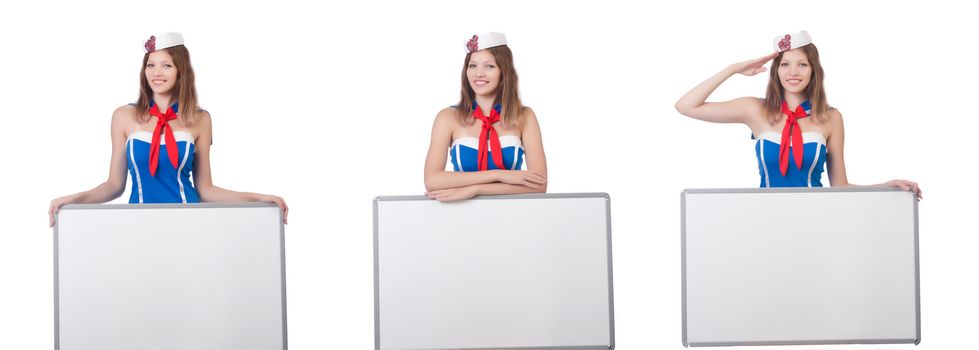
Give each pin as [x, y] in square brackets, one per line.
[329, 106]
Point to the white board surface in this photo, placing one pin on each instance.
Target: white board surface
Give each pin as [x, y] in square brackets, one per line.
[200, 276]
[800, 266]
[525, 271]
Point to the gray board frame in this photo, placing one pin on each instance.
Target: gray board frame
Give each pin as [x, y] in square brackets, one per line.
[282, 251]
[683, 264]
[608, 234]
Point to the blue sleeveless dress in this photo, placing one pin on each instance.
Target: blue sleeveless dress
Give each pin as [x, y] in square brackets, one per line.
[813, 162]
[464, 153]
[169, 185]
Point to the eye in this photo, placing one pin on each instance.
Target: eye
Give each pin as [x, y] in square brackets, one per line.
[804, 64]
[149, 65]
[783, 64]
[491, 66]
[168, 66]
[471, 66]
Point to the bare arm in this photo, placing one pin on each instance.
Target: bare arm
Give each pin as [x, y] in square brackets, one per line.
[536, 164]
[837, 165]
[114, 186]
[202, 175]
[436, 178]
[834, 150]
[694, 103]
[533, 144]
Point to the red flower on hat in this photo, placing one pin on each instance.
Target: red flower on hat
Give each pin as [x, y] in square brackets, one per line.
[785, 43]
[473, 44]
[150, 45]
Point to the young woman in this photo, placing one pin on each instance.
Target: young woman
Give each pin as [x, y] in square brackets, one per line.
[163, 139]
[488, 133]
[798, 132]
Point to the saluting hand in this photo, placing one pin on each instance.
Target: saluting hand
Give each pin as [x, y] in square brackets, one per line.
[753, 66]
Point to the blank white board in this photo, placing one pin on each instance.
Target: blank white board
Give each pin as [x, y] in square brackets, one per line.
[500, 272]
[168, 276]
[800, 266]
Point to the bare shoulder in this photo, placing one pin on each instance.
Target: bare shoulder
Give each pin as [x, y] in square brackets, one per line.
[834, 123]
[124, 118]
[201, 125]
[834, 118]
[753, 110]
[203, 118]
[752, 106]
[125, 111]
[528, 114]
[448, 116]
[834, 113]
[527, 118]
[750, 101]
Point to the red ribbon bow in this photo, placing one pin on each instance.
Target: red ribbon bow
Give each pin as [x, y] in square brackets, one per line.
[162, 124]
[791, 138]
[488, 133]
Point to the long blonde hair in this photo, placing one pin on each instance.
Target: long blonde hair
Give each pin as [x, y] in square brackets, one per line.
[185, 94]
[506, 93]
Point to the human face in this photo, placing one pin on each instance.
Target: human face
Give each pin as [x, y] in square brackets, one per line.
[161, 73]
[794, 71]
[483, 73]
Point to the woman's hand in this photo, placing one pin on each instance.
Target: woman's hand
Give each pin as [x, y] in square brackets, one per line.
[277, 201]
[453, 194]
[754, 66]
[906, 185]
[56, 205]
[527, 178]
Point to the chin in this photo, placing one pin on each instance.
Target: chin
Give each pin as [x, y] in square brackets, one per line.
[161, 91]
[794, 90]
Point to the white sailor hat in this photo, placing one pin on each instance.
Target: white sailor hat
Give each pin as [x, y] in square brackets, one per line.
[162, 41]
[484, 41]
[791, 41]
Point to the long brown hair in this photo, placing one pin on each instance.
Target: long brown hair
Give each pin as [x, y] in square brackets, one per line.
[185, 93]
[815, 92]
[506, 92]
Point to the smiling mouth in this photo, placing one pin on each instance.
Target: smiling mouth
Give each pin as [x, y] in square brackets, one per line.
[793, 81]
[480, 83]
[158, 82]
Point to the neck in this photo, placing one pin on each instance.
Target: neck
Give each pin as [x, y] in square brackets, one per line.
[162, 102]
[485, 103]
[794, 99]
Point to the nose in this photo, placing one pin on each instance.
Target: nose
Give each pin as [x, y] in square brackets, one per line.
[794, 70]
